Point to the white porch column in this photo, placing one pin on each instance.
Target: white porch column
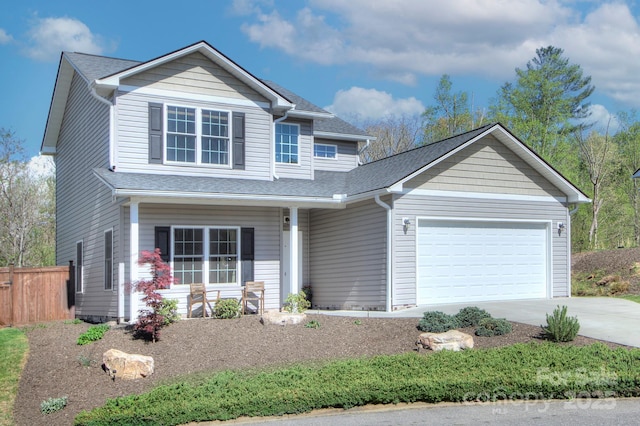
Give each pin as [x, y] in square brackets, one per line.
[134, 248]
[293, 248]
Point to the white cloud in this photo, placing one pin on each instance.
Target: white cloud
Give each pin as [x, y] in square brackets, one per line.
[4, 37]
[602, 120]
[50, 36]
[247, 7]
[371, 104]
[401, 40]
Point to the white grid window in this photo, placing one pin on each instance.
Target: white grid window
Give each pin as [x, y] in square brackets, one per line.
[181, 134]
[287, 143]
[321, 150]
[215, 137]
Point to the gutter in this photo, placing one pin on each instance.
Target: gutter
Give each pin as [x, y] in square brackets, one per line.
[389, 249]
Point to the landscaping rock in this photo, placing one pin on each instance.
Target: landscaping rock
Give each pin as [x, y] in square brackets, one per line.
[127, 366]
[282, 318]
[453, 340]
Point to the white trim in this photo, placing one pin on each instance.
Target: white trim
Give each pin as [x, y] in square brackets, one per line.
[342, 136]
[548, 234]
[206, 241]
[482, 195]
[196, 97]
[134, 247]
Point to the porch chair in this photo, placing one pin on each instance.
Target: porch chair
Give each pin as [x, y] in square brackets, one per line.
[198, 294]
[253, 291]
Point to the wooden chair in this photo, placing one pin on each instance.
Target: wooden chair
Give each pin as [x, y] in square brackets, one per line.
[253, 291]
[198, 294]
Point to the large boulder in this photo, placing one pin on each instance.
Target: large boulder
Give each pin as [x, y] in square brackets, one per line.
[282, 318]
[453, 340]
[127, 366]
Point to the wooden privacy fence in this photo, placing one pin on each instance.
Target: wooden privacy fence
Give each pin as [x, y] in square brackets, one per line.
[29, 295]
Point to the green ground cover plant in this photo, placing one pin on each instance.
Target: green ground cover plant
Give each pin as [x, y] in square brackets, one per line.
[437, 322]
[489, 327]
[541, 370]
[52, 405]
[13, 353]
[632, 297]
[93, 334]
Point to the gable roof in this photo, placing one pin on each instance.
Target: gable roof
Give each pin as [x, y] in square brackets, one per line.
[329, 188]
[103, 74]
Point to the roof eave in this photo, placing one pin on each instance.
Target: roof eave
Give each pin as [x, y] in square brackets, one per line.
[343, 136]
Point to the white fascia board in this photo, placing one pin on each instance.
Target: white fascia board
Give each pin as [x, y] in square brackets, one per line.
[169, 197]
[277, 100]
[342, 136]
[309, 114]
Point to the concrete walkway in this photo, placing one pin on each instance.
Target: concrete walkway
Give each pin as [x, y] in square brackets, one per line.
[604, 318]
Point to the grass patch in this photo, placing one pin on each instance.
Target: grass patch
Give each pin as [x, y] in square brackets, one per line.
[632, 297]
[13, 355]
[543, 370]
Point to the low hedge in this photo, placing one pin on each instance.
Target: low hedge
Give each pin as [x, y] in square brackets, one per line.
[512, 372]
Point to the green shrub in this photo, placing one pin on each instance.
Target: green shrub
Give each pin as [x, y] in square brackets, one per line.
[93, 333]
[560, 327]
[312, 324]
[471, 316]
[52, 405]
[296, 303]
[168, 308]
[226, 309]
[437, 322]
[489, 327]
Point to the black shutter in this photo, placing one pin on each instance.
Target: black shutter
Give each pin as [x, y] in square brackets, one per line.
[155, 133]
[247, 253]
[162, 241]
[238, 140]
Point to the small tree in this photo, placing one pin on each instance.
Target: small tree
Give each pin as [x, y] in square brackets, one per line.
[153, 319]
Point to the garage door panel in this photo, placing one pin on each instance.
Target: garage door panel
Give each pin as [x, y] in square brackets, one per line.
[461, 261]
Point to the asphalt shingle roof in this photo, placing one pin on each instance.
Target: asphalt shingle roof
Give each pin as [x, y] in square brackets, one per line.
[369, 177]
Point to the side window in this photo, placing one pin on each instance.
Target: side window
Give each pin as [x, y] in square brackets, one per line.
[181, 134]
[287, 143]
[108, 260]
[321, 150]
[79, 266]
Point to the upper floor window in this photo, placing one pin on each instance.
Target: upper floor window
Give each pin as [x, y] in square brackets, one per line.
[287, 143]
[321, 150]
[197, 135]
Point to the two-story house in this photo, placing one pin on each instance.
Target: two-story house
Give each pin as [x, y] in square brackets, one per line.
[236, 178]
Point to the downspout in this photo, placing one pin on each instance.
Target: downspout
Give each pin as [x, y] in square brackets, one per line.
[389, 248]
[273, 157]
[112, 114]
[363, 149]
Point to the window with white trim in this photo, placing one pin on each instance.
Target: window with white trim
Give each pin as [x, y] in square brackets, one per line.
[198, 136]
[321, 150]
[287, 143]
[108, 259]
[206, 255]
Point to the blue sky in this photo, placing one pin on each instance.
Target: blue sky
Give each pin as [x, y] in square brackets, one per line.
[362, 59]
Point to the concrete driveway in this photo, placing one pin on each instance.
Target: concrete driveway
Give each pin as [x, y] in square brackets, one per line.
[604, 318]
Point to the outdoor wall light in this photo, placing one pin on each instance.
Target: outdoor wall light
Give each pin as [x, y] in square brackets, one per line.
[406, 222]
[560, 227]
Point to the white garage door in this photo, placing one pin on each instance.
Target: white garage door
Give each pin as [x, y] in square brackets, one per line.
[466, 261]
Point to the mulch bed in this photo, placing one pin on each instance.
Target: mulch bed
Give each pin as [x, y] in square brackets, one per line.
[58, 367]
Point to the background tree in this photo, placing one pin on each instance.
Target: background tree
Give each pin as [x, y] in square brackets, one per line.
[393, 136]
[450, 115]
[628, 141]
[27, 221]
[546, 103]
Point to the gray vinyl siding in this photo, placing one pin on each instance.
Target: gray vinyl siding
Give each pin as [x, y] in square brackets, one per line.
[347, 255]
[84, 208]
[486, 166]
[412, 206]
[196, 74]
[133, 139]
[266, 222]
[302, 170]
[347, 157]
